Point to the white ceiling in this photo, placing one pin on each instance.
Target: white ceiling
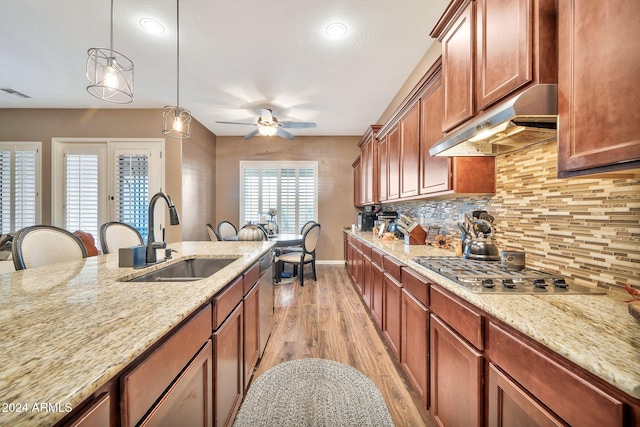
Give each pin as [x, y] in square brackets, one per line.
[236, 56]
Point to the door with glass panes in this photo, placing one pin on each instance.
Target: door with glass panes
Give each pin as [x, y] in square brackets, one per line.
[101, 181]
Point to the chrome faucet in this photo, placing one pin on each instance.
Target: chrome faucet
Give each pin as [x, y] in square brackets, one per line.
[174, 219]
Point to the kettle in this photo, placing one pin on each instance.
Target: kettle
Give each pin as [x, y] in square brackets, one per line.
[481, 247]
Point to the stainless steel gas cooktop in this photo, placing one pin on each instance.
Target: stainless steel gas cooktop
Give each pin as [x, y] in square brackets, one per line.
[489, 277]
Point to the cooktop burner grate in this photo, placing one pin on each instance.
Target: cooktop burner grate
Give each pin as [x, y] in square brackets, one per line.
[492, 278]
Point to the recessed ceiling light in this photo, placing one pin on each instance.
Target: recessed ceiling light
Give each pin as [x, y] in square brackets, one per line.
[336, 30]
[152, 26]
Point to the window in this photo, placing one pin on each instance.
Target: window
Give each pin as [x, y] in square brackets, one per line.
[106, 180]
[289, 187]
[19, 185]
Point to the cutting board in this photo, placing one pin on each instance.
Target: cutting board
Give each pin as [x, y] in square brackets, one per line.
[634, 309]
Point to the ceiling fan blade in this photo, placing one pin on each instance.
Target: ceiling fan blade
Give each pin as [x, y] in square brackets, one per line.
[265, 115]
[284, 134]
[251, 134]
[238, 123]
[299, 125]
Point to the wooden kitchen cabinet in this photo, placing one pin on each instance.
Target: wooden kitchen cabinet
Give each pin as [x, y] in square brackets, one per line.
[415, 344]
[598, 91]
[96, 414]
[456, 397]
[228, 359]
[393, 163]
[560, 389]
[189, 401]
[492, 49]
[410, 151]
[357, 182]
[369, 166]
[383, 169]
[149, 380]
[251, 332]
[511, 405]
[366, 274]
[392, 304]
[377, 287]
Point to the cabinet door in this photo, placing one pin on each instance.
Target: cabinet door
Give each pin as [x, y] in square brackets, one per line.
[456, 378]
[369, 168]
[434, 171]
[503, 48]
[98, 414]
[457, 69]
[189, 400]
[357, 182]
[391, 319]
[510, 405]
[227, 369]
[383, 170]
[410, 151]
[393, 157]
[366, 280]
[598, 91]
[251, 323]
[377, 293]
[415, 344]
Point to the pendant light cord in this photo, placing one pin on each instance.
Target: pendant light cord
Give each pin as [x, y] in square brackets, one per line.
[178, 55]
[111, 41]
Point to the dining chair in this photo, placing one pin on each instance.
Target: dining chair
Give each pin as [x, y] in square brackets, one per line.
[307, 256]
[115, 235]
[213, 234]
[40, 245]
[297, 248]
[226, 229]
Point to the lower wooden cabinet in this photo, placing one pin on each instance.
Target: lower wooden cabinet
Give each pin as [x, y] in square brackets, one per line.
[251, 333]
[97, 414]
[189, 401]
[391, 318]
[228, 359]
[510, 405]
[456, 378]
[415, 344]
[377, 293]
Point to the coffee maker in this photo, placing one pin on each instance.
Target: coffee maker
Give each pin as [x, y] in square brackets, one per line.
[364, 220]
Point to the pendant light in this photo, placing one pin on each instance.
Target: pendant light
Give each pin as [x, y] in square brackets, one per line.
[110, 73]
[176, 121]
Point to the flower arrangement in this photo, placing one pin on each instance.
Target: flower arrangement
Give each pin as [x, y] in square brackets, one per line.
[441, 241]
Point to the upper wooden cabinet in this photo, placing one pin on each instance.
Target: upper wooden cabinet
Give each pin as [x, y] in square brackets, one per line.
[368, 166]
[598, 92]
[491, 49]
[357, 182]
[393, 160]
[410, 151]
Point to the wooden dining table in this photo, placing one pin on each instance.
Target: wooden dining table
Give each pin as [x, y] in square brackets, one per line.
[284, 240]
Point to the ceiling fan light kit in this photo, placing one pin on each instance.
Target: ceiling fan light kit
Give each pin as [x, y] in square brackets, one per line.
[268, 125]
[110, 73]
[176, 121]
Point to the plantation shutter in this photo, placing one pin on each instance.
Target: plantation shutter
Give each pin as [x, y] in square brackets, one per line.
[81, 192]
[132, 191]
[289, 187]
[19, 186]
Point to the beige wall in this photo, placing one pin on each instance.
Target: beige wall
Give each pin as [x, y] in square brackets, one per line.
[45, 124]
[335, 190]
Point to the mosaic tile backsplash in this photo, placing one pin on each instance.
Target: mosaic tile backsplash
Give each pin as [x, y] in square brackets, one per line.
[587, 229]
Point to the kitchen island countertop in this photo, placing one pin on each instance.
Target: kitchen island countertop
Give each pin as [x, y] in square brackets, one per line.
[69, 328]
[595, 332]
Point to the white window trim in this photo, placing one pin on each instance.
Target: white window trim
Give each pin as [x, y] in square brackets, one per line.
[280, 164]
[109, 144]
[37, 145]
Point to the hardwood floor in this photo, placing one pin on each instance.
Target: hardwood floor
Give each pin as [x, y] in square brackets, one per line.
[327, 319]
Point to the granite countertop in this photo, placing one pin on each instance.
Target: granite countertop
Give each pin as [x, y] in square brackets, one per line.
[71, 327]
[595, 332]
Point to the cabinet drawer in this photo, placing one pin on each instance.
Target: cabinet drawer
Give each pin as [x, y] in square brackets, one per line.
[366, 250]
[225, 301]
[377, 256]
[575, 400]
[458, 315]
[98, 414]
[416, 285]
[393, 267]
[142, 386]
[250, 278]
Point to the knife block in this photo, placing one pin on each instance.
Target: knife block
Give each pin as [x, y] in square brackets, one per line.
[417, 236]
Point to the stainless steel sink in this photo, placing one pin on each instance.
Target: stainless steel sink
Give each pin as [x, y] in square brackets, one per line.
[186, 270]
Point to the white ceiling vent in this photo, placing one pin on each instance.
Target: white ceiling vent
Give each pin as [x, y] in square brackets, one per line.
[14, 92]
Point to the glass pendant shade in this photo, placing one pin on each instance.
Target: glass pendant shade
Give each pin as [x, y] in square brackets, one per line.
[110, 73]
[176, 122]
[111, 76]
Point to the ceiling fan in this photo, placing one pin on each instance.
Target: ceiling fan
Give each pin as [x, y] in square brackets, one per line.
[268, 125]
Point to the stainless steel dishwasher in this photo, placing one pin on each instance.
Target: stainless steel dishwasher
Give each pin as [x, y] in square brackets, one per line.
[265, 297]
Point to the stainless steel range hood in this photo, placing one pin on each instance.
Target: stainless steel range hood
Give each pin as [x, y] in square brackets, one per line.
[525, 119]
